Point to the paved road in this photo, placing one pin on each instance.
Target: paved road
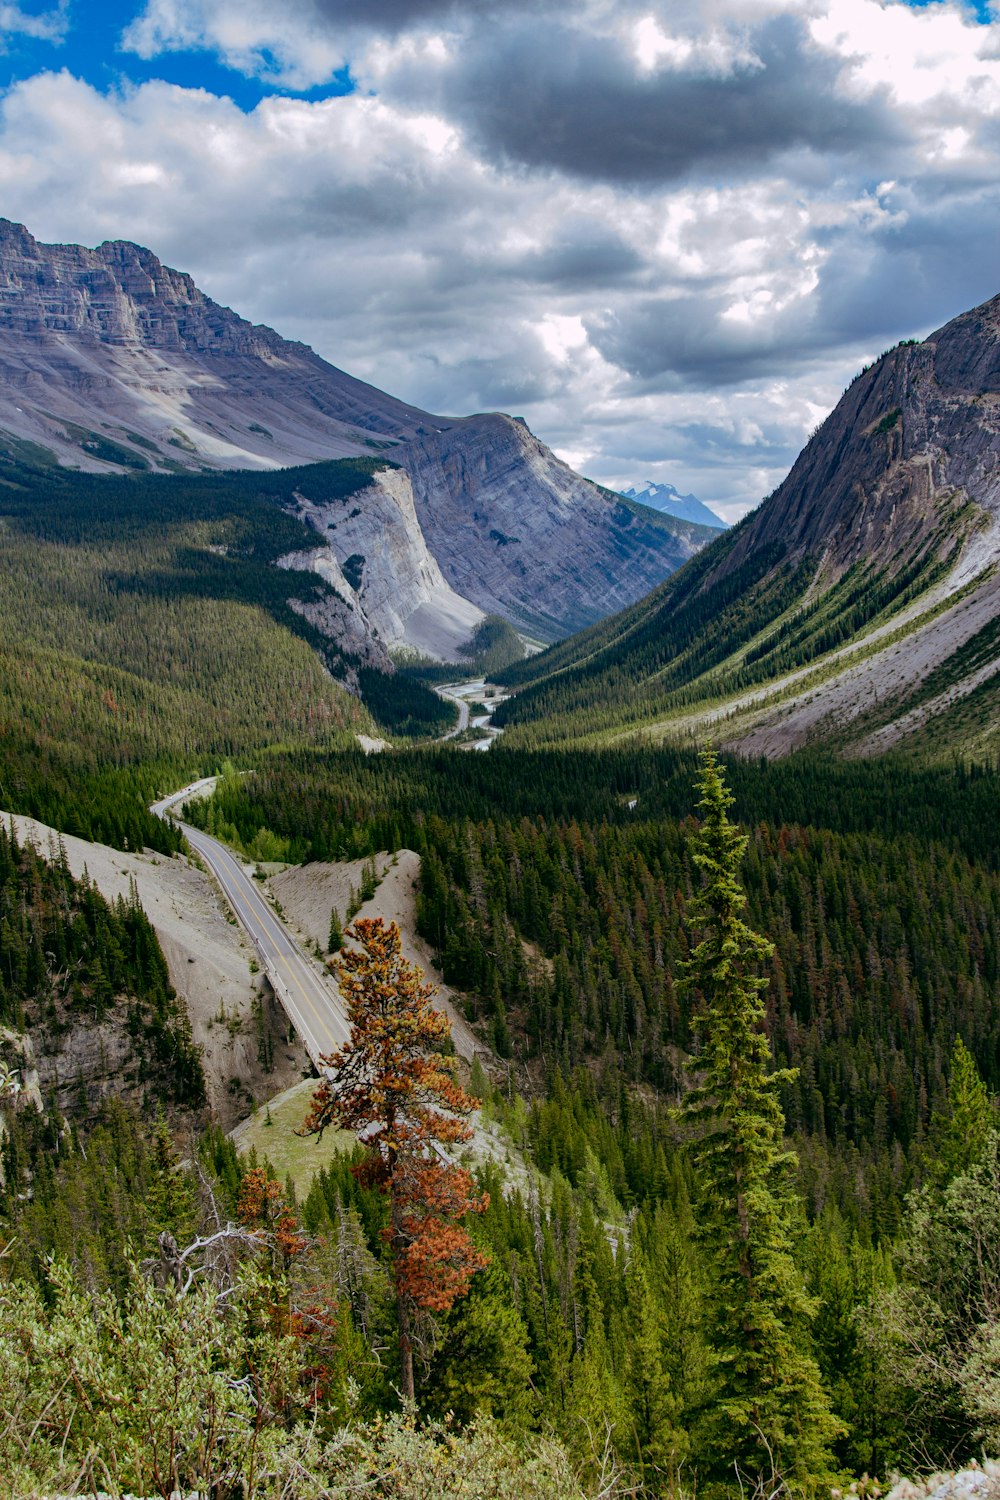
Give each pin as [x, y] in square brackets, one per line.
[310, 998]
[460, 693]
[463, 710]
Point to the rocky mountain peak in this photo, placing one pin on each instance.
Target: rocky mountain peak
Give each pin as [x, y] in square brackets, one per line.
[110, 360]
[668, 499]
[859, 605]
[12, 233]
[915, 436]
[966, 352]
[119, 293]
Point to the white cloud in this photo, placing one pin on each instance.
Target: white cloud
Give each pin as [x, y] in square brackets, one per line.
[919, 56]
[48, 25]
[713, 52]
[684, 316]
[281, 44]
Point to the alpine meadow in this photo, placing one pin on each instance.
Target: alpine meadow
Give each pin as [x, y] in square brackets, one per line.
[499, 881]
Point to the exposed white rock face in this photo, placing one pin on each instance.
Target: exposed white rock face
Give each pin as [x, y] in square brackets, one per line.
[338, 620]
[377, 559]
[110, 360]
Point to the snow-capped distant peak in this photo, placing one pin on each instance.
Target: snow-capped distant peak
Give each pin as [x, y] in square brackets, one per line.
[666, 498]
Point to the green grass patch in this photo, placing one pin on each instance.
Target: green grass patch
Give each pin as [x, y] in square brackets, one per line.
[271, 1133]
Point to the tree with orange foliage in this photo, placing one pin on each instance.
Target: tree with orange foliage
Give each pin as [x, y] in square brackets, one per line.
[262, 1206]
[400, 1097]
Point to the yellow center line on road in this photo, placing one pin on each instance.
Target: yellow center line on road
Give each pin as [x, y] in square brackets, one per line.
[316, 1015]
[323, 1021]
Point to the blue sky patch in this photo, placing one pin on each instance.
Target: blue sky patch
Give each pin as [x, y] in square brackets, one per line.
[90, 49]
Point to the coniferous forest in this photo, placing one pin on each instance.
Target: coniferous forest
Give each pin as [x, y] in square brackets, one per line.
[737, 1229]
[594, 1350]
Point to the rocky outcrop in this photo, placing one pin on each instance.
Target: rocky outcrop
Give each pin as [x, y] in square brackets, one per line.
[110, 360]
[522, 535]
[921, 426]
[376, 557]
[903, 476]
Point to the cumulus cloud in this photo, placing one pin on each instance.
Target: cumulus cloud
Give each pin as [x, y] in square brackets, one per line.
[290, 45]
[558, 95]
[46, 25]
[667, 235]
[299, 44]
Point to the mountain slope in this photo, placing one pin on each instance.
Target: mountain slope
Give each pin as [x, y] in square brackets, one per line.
[548, 568]
[111, 361]
[859, 606]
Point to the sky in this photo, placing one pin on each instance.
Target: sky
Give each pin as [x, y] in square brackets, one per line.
[667, 233]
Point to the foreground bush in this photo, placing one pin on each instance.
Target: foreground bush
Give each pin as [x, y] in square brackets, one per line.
[164, 1392]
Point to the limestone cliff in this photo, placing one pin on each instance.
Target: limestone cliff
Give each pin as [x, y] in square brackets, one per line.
[110, 360]
[376, 557]
[919, 429]
[522, 535]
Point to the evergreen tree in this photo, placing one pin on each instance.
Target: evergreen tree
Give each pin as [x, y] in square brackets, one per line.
[482, 1365]
[336, 939]
[961, 1133]
[936, 1334]
[773, 1421]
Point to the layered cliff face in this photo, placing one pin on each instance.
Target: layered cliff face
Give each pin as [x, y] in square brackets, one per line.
[375, 556]
[522, 535]
[859, 606]
[109, 360]
[919, 428]
[902, 479]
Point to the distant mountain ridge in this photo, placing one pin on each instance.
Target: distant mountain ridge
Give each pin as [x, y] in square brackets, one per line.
[669, 500]
[857, 607]
[111, 361]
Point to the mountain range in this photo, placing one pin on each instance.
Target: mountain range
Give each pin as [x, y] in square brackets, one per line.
[857, 607]
[669, 500]
[112, 362]
[164, 617]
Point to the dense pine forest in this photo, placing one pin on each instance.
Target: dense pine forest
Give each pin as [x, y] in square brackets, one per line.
[557, 892]
[175, 1317]
[598, 1311]
[554, 889]
[567, 931]
[143, 627]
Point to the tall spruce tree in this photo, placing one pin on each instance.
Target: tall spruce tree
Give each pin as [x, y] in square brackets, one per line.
[961, 1133]
[771, 1419]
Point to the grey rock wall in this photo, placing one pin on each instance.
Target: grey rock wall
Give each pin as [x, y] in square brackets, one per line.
[918, 431]
[109, 359]
[395, 585]
[518, 532]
